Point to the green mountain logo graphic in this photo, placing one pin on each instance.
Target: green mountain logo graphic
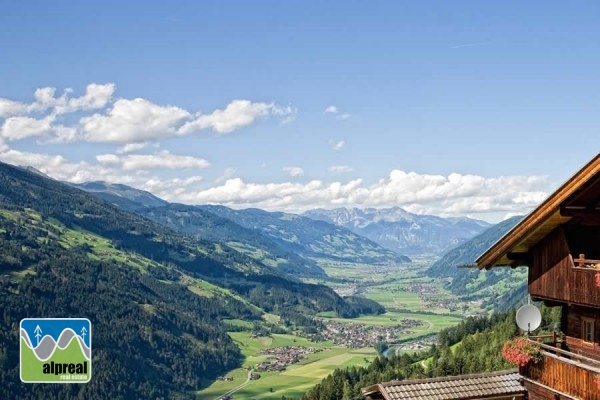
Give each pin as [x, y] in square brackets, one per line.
[45, 359]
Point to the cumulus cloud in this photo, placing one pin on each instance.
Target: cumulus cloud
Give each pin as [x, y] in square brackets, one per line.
[96, 96]
[228, 173]
[160, 160]
[454, 194]
[127, 121]
[170, 188]
[9, 108]
[21, 127]
[134, 120]
[60, 168]
[237, 114]
[336, 111]
[340, 169]
[129, 147]
[338, 145]
[294, 171]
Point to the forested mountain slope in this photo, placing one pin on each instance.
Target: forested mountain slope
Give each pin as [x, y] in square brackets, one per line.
[156, 298]
[308, 237]
[502, 287]
[202, 224]
[286, 241]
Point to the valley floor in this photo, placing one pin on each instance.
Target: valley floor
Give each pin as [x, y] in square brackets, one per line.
[406, 295]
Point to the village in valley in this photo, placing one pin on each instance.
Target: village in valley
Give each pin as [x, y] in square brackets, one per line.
[355, 335]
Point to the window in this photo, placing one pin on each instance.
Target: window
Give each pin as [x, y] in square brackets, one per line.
[588, 329]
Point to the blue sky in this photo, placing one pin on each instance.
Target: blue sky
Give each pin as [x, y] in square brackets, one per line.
[450, 108]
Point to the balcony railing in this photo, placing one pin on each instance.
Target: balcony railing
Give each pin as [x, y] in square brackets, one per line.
[565, 373]
[586, 263]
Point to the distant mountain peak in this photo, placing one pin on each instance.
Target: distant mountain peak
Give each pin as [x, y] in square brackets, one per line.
[403, 231]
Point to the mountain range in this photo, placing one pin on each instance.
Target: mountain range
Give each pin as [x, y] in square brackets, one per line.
[401, 231]
[289, 242]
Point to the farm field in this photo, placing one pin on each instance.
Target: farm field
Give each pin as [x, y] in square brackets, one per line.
[400, 289]
[298, 377]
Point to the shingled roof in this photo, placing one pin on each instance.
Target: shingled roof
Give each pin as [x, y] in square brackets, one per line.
[492, 385]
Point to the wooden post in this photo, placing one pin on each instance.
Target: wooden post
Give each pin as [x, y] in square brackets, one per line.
[581, 261]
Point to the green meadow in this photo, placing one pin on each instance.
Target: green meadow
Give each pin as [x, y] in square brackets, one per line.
[293, 382]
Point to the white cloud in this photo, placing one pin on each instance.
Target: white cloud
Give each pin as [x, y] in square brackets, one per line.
[451, 195]
[134, 120]
[340, 169]
[160, 160]
[294, 171]
[454, 194]
[45, 99]
[21, 127]
[338, 145]
[335, 110]
[59, 168]
[9, 108]
[129, 147]
[96, 96]
[228, 173]
[237, 114]
[108, 159]
[169, 188]
[127, 121]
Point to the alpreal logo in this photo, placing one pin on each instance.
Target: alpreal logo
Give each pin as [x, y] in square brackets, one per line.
[56, 350]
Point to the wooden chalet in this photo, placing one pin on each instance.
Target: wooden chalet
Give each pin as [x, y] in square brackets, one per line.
[560, 243]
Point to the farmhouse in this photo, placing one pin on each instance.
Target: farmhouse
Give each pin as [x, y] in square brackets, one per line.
[560, 244]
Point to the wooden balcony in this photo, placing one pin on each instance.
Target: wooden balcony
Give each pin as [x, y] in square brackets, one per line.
[564, 373]
[563, 278]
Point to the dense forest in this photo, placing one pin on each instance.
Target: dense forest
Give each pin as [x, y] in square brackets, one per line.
[478, 347]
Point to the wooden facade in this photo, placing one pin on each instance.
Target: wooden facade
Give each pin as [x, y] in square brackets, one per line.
[562, 375]
[560, 243]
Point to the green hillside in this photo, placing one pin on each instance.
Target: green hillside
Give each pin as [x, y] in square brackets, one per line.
[203, 224]
[289, 242]
[310, 238]
[159, 301]
[502, 288]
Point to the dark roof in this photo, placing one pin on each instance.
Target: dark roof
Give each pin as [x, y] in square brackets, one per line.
[461, 387]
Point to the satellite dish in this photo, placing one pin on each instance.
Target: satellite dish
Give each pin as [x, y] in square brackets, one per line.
[529, 318]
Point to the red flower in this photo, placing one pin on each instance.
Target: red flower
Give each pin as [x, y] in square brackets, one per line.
[520, 351]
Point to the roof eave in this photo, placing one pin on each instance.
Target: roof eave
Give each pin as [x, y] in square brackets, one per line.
[538, 216]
